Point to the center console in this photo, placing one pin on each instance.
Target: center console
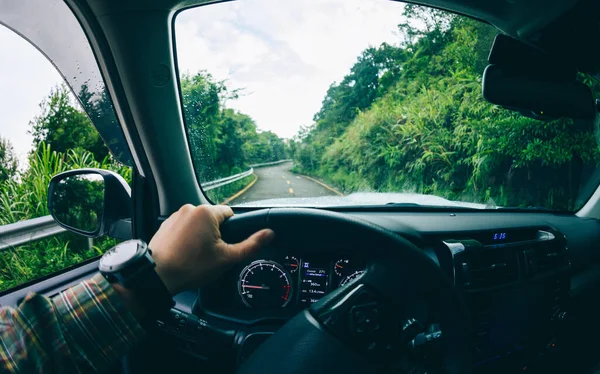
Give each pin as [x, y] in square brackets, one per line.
[515, 284]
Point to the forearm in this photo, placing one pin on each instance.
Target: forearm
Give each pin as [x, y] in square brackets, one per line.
[86, 328]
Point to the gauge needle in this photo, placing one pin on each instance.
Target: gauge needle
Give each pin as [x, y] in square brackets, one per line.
[257, 287]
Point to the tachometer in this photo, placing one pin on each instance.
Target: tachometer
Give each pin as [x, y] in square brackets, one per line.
[264, 284]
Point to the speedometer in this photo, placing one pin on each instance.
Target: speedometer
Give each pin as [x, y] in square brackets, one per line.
[264, 284]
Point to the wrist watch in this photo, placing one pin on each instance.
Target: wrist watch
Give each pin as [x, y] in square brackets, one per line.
[131, 265]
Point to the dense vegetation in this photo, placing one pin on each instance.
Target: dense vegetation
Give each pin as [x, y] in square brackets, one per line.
[25, 197]
[64, 139]
[411, 118]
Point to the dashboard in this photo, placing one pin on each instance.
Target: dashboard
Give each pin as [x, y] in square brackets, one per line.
[278, 286]
[533, 296]
[514, 273]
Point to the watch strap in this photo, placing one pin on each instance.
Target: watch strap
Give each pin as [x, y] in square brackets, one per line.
[152, 293]
[138, 274]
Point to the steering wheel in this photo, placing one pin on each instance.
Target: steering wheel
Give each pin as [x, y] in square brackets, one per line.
[360, 327]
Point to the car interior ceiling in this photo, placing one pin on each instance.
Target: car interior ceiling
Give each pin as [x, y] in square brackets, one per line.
[542, 303]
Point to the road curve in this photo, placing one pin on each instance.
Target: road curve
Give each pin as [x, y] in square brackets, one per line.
[278, 182]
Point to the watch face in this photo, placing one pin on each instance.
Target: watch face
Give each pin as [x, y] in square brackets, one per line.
[119, 255]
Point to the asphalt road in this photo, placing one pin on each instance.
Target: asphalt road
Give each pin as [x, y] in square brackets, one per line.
[277, 182]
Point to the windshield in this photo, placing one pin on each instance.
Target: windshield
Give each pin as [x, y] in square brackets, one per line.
[362, 103]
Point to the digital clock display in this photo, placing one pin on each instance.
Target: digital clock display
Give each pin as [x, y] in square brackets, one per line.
[499, 236]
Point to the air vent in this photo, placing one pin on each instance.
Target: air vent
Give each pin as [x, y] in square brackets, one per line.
[493, 258]
[486, 267]
[548, 259]
[490, 268]
[483, 318]
[544, 259]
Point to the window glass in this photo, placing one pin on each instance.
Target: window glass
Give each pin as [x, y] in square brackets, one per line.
[53, 29]
[373, 102]
[43, 131]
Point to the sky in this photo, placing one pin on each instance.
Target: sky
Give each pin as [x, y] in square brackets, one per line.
[282, 54]
[26, 77]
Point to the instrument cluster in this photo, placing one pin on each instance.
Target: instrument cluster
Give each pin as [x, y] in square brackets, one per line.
[293, 281]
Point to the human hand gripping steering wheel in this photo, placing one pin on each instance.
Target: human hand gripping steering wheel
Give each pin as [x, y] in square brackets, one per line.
[189, 251]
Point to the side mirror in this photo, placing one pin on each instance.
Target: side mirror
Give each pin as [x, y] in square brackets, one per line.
[91, 202]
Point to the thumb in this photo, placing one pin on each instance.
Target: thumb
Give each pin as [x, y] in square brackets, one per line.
[240, 251]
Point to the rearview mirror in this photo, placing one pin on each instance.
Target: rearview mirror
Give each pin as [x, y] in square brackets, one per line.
[538, 84]
[542, 99]
[91, 202]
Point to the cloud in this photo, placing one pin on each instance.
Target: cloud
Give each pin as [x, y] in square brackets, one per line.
[284, 54]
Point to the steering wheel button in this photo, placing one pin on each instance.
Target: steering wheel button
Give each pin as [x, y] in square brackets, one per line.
[365, 319]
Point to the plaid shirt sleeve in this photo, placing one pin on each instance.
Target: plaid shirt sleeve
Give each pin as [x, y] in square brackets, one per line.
[84, 329]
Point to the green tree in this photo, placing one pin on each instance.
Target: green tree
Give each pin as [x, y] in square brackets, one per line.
[201, 98]
[237, 132]
[64, 126]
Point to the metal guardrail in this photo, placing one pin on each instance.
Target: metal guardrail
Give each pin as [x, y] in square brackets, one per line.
[207, 186]
[19, 233]
[270, 163]
[31, 230]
